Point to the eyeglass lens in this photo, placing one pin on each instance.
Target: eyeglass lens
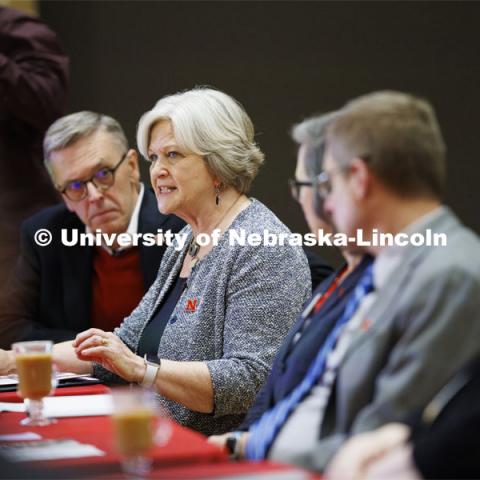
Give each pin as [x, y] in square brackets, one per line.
[103, 179]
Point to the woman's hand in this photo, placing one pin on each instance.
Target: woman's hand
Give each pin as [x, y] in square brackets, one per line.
[7, 362]
[108, 350]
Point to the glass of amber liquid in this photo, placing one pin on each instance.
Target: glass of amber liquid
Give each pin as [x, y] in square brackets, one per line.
[35, 378]
[138, 425]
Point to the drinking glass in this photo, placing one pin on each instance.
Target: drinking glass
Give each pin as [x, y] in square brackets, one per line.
[36, 378]
[138, 425]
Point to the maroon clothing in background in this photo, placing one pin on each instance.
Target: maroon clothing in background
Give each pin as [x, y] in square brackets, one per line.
[117, 287]
[33, 85]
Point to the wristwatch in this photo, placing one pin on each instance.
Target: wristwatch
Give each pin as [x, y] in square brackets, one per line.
[152, 366]
[233, 444]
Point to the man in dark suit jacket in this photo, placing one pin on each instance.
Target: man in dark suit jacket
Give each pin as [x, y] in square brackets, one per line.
[303, 342]
[58, 290]
[440, 441]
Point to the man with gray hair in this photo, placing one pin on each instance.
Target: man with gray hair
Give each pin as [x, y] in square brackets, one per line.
[412, 319]
[416, 319]
[64, 287]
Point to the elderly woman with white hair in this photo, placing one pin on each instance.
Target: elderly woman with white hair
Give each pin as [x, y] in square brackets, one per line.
[206, 332]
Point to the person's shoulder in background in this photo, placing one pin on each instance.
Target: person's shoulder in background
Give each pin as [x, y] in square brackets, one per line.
[53, 218]
[319, 268]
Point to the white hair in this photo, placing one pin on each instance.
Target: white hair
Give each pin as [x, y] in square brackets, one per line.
[212, 124]
[69, 129]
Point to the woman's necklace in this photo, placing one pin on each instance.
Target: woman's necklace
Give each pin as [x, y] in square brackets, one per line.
[194, 247]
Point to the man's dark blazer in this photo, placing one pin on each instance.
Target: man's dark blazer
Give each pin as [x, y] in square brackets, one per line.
[293, 359]
[447, 445]
[49, 295]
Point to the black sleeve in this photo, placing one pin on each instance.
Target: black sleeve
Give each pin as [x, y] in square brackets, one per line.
[451, 451]
[20, 300]
[450, 448]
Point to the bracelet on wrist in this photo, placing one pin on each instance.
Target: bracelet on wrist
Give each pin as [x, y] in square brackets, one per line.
[152, 366]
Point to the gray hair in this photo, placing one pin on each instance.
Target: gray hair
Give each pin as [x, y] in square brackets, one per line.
[69, 129]
[212, 124]
[398, 137]
[312, 134]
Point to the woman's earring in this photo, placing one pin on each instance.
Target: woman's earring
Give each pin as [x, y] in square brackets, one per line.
[217, 194]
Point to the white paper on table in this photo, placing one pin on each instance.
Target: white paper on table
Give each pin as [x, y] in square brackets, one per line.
[12, 407]
[12, 379]
[49, 450]
[8, 380]
[69, 406]
[18, 437]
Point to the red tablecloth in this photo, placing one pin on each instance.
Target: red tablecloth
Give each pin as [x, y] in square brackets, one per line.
[185, 446]
[59, 392]
[244, 469]
[186, 456]
[226, 470]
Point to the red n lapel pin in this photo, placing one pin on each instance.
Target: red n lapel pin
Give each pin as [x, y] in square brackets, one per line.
[366, 324]
[191, 306]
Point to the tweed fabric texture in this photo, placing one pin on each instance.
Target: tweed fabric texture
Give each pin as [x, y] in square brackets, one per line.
[247, 298]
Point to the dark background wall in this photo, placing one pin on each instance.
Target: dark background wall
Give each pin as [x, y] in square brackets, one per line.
[284, 61]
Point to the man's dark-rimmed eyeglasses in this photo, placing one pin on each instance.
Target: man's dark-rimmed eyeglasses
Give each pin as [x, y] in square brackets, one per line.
[323, 181]
[295, 187]
[102, 179]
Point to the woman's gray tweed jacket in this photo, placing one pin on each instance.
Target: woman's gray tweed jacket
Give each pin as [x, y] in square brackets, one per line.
[247, 299]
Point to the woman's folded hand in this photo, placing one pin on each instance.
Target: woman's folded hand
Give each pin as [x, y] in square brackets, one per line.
[109, 351]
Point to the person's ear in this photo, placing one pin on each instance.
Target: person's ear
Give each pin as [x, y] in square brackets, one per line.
[132, 160]
[360, 178]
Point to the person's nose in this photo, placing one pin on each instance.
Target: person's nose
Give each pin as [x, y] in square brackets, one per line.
[328, 206]
[157, 171]
[93, 193]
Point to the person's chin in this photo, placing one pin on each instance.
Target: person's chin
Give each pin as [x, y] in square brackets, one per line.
[100, 221]
[165, 208]
[115, 225]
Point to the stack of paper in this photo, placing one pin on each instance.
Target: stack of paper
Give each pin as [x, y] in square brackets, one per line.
[69, 406]
[48, 450]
